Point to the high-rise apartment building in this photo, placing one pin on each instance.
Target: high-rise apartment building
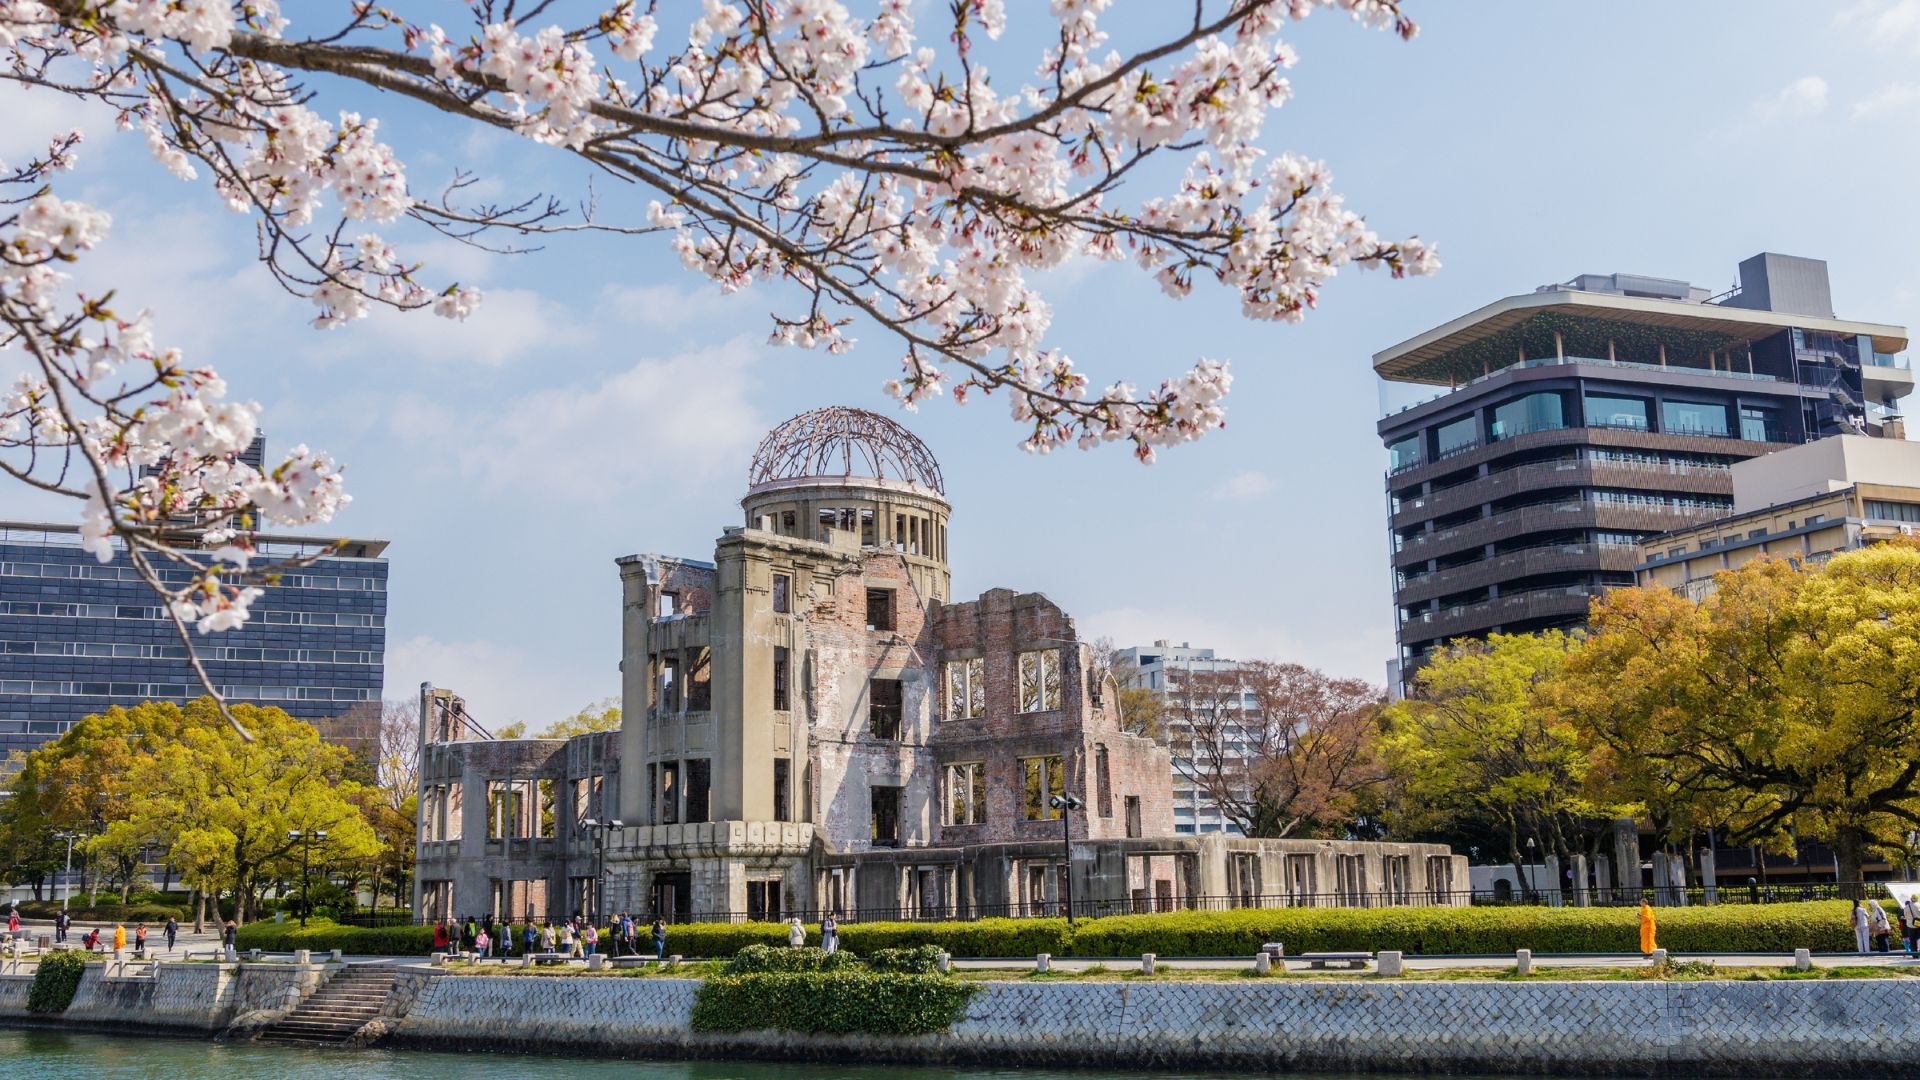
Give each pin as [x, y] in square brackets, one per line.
[78, 635]
[1162, 667]
[1583, 417]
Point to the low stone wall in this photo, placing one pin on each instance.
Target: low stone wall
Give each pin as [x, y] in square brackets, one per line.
[183, 997]
[1860, 1027]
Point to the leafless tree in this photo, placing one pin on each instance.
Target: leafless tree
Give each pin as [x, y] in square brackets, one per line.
[1283, 749]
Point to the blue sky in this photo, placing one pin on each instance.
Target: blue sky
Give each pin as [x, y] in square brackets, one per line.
[605, 403]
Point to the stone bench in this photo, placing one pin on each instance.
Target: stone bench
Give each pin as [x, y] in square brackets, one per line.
[546, 957]
[1320, 961]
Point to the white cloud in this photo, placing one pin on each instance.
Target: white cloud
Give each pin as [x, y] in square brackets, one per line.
[1803, 97]
[1884, 23]
[1893, 97]
[499, 684]
[671, 423]
[511, 325]
[35, 116]
[1243, 487]
[660, 307]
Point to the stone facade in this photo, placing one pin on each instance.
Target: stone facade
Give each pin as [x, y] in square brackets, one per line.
[811, 722]
[1836, 1027]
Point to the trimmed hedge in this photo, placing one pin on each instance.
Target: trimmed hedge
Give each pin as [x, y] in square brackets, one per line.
[323, 934]
[831, 1002]
[759, 958]
[108, 913]
[55, 980]
[1820, 925]
[921, 960]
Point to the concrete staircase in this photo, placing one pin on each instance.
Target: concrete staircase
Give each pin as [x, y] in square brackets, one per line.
[338, 1009]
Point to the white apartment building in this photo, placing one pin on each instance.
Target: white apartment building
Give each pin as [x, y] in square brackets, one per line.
[1160, 667]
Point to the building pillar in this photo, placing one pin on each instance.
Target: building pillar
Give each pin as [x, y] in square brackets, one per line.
[1559, 347]
[1553, 883]
[1603, 884]
[1708, 881]
[1662, 879]
[1579, 880]
[1626, 856]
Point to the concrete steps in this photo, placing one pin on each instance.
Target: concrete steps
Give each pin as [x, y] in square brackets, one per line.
[334, 1012]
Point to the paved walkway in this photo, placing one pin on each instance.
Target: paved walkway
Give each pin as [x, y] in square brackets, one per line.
[1441, 963]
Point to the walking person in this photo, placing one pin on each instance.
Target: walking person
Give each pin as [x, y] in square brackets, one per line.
[1862, 927]
[796, 933]
[13, 920]
[440, 938]
[480, 943]
[140, 940]
[546, 938]
[1647, 930]
[659, 938]
[531, 935]
[830, 934]
[173, 932]
[60, 925]
[1881, 928]
[589, 938]
[226, 936]
[1911, 907]
[119, 937]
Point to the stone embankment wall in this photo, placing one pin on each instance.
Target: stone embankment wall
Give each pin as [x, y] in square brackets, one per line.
[184, 997]
[1858, 1027]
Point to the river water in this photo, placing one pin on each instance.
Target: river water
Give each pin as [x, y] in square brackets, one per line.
[59, 1055]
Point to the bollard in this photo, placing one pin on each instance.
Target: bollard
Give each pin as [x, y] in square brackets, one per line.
[231, 955]
[1262, 964]
[595, 961]
[1523, 961]
[303, 956]
[526, 959]
[674, 960]
[439, 959]
[1275, 949]
[945, 963]
[333, 956]
[1802, 960]
[1147, 963]
[1043, 962]
[1658, 958]
[253, 954]
[1391, 964]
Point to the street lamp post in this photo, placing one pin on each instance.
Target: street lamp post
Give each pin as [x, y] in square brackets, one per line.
[597, 895]
[305, 838]
[66, 889]
[1066, 804]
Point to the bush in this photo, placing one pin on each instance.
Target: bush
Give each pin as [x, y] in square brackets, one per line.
[759, 958]
[920, 960]
[984, 937]
[830, 1002]
[323, 934]
[103, 912]
[55, 981]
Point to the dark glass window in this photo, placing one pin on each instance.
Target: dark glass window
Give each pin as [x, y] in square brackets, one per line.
[699, 789]
[1460, 435]
[883, 709]
[781, 768]
[780, 678]
[1693, 418]
[782, 594]
[1760, 424]
[1535, 412]
[1404, 454]
[879, 609]
[1616, 412]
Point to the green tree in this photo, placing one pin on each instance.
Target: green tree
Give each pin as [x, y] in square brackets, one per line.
[1786, 703]
[209, 790]
[1482, 747]
[603, 715]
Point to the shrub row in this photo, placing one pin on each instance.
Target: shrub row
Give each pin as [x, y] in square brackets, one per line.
[830, 1002]
[1820, 925]
[55, 980]
[760, 958]
[102, 912]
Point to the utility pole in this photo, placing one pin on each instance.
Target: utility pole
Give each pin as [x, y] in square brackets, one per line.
[1066, 804]
[66, 886]
[305, 838]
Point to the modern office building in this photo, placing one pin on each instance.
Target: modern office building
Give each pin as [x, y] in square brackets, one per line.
[1806, 503]
[1582, 418]
[1161, 667]
[78, 635]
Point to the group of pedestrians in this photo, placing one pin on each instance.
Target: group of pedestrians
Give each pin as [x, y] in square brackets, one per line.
[829, 933]
[93, 940]
[1873, 931]
[573, 937]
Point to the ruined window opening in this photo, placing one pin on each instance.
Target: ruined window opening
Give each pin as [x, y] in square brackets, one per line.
[501, 809]
[1350, 879]
[1102, 780]
[848, 518]
[699, 789]
[827, 518]
[868, 533]
[1398, 871]
[913, 536]
[763, 901]
[806, 792]
[670, 683]
[429, 811]
[669, 604]
[781, 767]
[700, 682]
[669, 794]
[1300, 878]
[548, 825]
[880, 609]
[886, 817]
[884, 705]
[967, 793]
[1246, 879]
[899, 532]
[1132, 807]
[780, 678]
[1039, 680]
[1440, 878]
[1044, 777]
[782, 594]
[580, 797]
[787, 523]
[943, 543]
[450, 806]
[966, 689]
[595, 802]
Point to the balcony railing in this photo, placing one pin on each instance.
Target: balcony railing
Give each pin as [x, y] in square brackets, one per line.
[1889, 360]
[1594, 361]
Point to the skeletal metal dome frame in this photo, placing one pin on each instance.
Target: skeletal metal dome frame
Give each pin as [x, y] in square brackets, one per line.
[844, 442]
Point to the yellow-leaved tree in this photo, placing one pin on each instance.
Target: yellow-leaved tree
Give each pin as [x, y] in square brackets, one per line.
[1786, 703]
[224, 806]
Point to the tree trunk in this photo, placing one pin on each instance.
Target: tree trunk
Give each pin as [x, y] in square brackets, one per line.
[1849, 851]
[199, 904]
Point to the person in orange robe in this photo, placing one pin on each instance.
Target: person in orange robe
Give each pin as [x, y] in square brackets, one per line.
[1646, 929]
